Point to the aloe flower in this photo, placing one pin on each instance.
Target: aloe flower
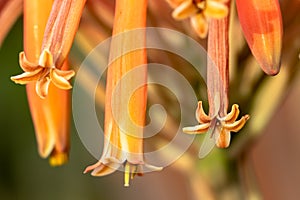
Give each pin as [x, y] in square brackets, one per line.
[59, 34]
[218, 123]
[124, 145]
[47, 40]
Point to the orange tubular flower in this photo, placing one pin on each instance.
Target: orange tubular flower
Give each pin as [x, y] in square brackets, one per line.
[218, 121]
[262, 26]
[124, 145]
[51, 114]
[59, 34]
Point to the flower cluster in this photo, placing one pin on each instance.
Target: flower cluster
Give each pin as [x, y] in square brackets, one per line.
[49, 31]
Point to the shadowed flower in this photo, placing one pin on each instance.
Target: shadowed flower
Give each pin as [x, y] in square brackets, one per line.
[59, 34]
[218, 123]
[123, 144]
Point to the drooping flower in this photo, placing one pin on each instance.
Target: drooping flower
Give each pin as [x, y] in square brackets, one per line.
[218, 123]
[123, 144]
[261, 22]
[199, 12]
[59, 34]
[50, 119]
[47, 41]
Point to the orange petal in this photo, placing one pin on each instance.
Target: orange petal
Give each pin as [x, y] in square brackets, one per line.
[46, 59]
[27, 77]
[59, 81]
[261, 22]
[237, 125]
[67, 74]
[223, 139]
[233, 115]
[200, 114]
[184, 10]
[216, 10]
[42, 86]
[25, 64]
[200, 25]
[198, 129]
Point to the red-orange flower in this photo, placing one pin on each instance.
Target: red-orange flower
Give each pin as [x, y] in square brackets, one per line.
[261, 22]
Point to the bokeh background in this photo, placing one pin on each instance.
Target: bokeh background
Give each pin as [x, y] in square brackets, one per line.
[262, 163]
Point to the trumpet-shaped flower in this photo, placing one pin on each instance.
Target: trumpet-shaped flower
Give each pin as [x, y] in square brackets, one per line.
[218, 121]
[123, 144]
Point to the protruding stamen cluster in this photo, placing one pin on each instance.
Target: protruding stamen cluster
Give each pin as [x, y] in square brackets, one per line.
[199, 11]
[43, 73]
[223, 125]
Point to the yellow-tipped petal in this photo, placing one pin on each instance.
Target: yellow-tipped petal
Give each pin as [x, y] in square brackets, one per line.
[237, 125]
[198, 129]
[25, 64]
[67, 74]
[233, 115]
[215, 10]
[200, 25]
[27, 77]
[184, 10]
[42, 87]
[201, 115]
[59, 81]
[223, 139]
[46, 59]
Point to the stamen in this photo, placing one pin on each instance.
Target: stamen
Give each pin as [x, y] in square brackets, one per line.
[127, 174]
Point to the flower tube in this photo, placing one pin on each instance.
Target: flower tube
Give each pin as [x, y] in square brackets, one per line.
[124, 145]
[219, 123]
[50, 116]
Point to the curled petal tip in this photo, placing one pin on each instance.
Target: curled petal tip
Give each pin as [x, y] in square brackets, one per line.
[201, 115]
[233, 115]
[198, 129]
[184, 10]
[46, 59]
[200, 25]
[42, 87]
